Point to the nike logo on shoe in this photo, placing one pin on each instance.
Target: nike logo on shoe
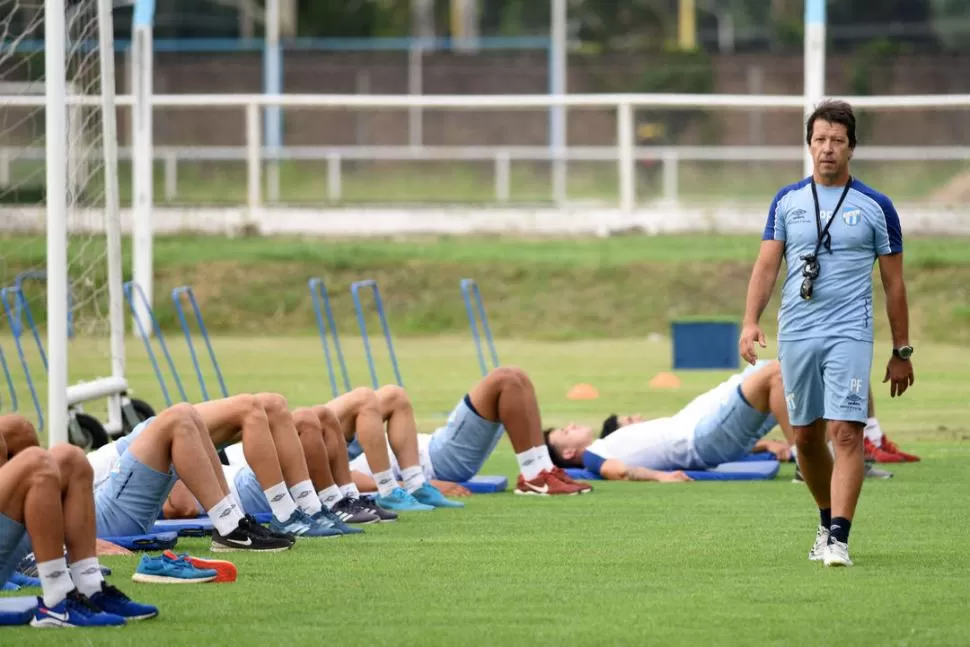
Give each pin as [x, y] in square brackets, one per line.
[240, 542]
[540, 490]
[63, 617]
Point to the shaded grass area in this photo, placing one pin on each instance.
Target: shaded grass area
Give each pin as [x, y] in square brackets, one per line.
[699, 563]
[565, 288]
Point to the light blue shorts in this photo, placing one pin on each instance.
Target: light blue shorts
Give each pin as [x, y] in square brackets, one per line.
[130, 501]
[250, 492]
[730, 433]
[14, 545]
[460, 448]
[826, 378]
[354, 449]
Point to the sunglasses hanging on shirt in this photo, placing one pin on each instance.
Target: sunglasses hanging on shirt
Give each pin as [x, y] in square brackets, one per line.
[810, 266]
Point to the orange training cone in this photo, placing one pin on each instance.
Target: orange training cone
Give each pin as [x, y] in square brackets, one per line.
[583, 392]
[665, 380]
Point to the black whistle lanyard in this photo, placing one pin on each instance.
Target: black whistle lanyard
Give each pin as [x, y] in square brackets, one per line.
[823, 234]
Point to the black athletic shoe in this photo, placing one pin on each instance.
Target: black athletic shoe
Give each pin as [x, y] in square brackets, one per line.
[266, 531]
[353, 511]
[249, 536]
[371, 506]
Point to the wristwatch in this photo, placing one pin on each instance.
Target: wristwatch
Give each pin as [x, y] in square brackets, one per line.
[903, 352]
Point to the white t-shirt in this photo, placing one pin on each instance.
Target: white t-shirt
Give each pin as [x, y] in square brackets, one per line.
[360, 464]
[659, 444]
[104, 461]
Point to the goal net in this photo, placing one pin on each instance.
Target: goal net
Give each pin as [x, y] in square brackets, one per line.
[60, 241]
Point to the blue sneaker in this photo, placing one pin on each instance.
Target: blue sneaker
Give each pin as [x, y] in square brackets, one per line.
[74, 611]
[430, 495]
[401, 501]
[162, 570]
[301, 525]
[10, 585]
[328, 519]
[111, 600]
[24, 580]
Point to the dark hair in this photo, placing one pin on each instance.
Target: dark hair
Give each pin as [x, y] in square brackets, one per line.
[610, 425]
[835, 112]
[557, 458]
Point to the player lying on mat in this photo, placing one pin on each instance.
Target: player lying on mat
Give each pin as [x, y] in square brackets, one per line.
[503, 402]
[47, 504]
[134, 474]
[326, 457]
[719, 426]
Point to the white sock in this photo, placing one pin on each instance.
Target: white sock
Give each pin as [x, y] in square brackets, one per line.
[280, 502]
[529, 464]
[350, 491]
[385, 482]
[305, 496]
[55, 580]
[87, 576]
[330, 496]
[225, 516]
[873, 432]
[542, 454]
[413, 478]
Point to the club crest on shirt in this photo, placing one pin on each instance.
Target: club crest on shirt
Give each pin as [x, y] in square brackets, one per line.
[852, 217]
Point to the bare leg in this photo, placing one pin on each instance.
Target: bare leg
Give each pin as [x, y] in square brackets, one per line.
[17, 433]
[77, 497]
[506, 395]
[173, 439]
[336, 446]
[872, 404]
[241, 417]
[314, 448]
[402, 428]
[30, 494]
[815, 461]
[285, 437]
[850, 468]
[360, 414]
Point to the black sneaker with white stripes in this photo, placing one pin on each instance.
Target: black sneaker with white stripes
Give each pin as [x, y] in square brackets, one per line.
[371, 505]
[353, 511]
[249, 536]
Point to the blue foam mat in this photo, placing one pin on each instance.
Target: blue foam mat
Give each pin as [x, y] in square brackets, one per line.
[486, 484]
[198, 526]
[157, 540]
[760, 456]
[757, 470]
[17, 610]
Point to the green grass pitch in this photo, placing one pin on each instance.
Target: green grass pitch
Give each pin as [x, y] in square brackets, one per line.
[697, 563]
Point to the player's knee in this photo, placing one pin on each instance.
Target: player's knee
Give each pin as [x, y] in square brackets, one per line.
[19, 434]
[509, 377]
[393, 398]
[306, 421]
[38, 464]
[248, 408]
[71, 462]
[273, 404]
[365, 399]
[846, 435]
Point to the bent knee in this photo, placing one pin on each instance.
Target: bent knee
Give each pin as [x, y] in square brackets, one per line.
[393, 398]
[509, 377]
[18, 433]
[38, 463]
[273, 403]
[306, 420]
[365, 398]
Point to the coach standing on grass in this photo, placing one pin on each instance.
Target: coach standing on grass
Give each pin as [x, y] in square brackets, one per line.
[830, 228]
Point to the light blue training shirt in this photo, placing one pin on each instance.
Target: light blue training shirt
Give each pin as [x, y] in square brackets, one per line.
[866, 226]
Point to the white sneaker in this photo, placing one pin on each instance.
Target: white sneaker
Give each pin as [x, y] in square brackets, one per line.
[837, 554]
[817, 553]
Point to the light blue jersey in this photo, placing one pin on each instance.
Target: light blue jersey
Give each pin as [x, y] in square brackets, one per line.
[866, 226]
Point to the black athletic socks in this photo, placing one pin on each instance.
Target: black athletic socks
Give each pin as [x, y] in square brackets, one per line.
[839, 531]
[825, 516]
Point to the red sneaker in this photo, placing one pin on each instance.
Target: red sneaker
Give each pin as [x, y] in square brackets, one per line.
[880, 455]
[545, 484]
[225, 571]
[892, 448]
[561, 474]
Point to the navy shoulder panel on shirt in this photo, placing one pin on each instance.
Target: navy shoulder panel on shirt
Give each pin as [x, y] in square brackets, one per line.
[593, 462]
[893, 228]
[770, 225]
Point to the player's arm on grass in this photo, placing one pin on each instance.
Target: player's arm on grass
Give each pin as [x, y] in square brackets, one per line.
[780, 449]
[448, 488]
[616, 470]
